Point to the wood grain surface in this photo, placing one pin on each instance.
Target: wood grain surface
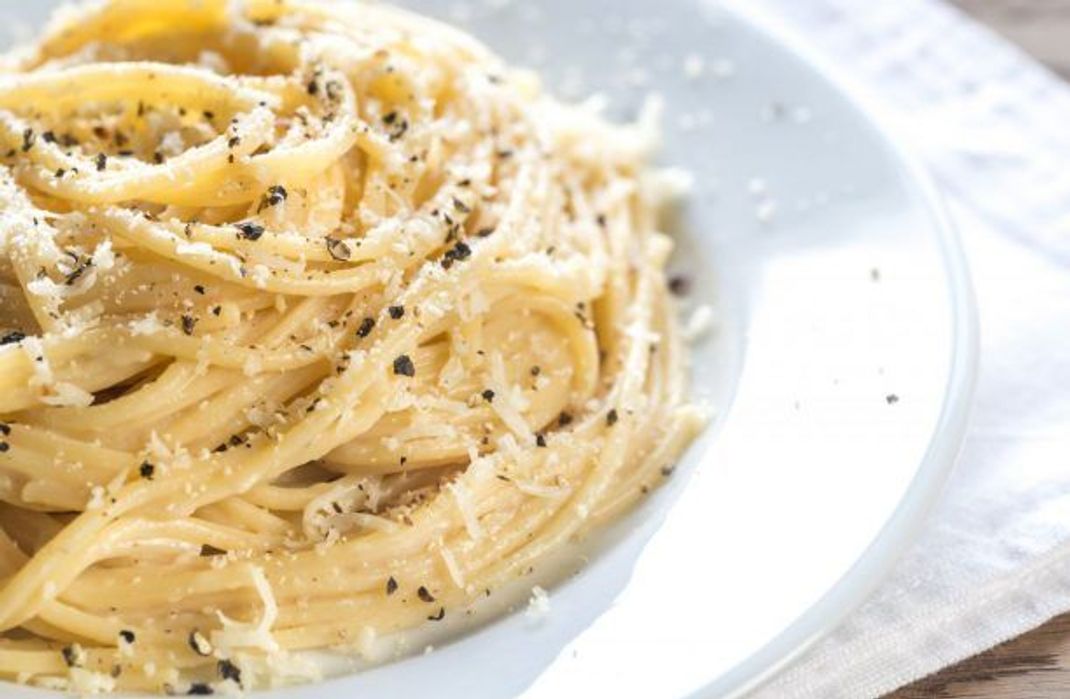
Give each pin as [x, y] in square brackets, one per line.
[1037, 665]
[1041, 27]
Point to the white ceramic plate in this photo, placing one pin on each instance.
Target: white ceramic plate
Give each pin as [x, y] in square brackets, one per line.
[842, 368]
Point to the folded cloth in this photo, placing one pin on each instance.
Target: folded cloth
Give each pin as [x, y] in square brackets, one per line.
[994, 560]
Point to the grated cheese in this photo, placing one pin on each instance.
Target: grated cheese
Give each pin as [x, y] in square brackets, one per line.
[463, 500]
[235, 635]
[699, 324]
[538, 606]
[85, 681]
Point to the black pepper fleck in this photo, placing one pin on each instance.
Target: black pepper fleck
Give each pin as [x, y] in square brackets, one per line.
[457, 253]
[488, 395]
[73, 655]
[391, 585]
[77, 272]
[396, 312]
[12, 337]
[250, 231]
[147, 470]
[403, 366]
[228, 670]
[338, 250]
[274, 196]
[127, 636]
[425, 595]
[612, 417]
[679, 285]
[366, 327]
[891, 399]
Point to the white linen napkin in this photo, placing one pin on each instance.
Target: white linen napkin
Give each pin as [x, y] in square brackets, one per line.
[994, 126]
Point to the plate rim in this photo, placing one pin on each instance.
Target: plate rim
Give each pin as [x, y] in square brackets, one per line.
[927, 485]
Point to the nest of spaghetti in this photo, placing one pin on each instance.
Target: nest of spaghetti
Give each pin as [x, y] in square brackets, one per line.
[319, 323]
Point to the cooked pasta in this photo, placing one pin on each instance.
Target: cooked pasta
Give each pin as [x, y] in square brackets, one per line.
[319, 323]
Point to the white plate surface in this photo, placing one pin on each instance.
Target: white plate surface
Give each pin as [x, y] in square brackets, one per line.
[810, 482]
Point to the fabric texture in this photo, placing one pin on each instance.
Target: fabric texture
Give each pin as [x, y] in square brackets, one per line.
[994, 559]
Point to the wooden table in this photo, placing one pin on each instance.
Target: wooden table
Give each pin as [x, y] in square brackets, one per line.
[1037, 665]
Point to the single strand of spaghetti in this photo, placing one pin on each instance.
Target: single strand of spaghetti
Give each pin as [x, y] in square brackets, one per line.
[89, 627]
[44, 466]
[61, 90]
[112, 461]
[46, 496]
[242, 514]
[284, 498]
[37, 662]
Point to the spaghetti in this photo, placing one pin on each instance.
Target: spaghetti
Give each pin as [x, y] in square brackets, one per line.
[318, 324]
